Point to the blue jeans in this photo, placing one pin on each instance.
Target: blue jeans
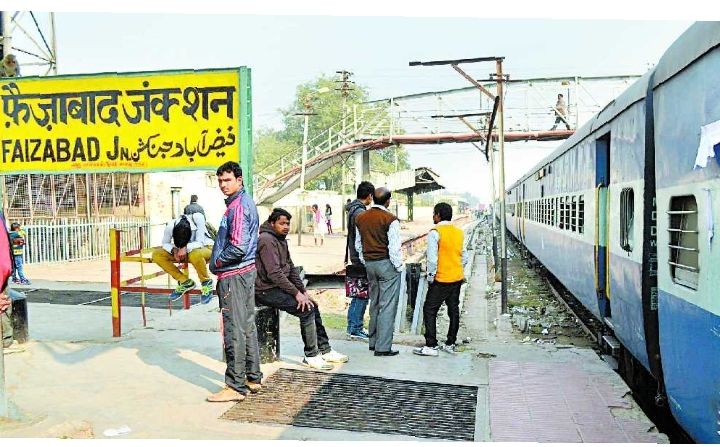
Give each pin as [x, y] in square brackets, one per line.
[356, 314]
[18, 273]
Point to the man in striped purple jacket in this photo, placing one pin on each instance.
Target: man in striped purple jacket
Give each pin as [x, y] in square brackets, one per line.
[233, 261]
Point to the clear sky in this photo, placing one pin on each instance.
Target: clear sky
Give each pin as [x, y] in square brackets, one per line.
[284, 51]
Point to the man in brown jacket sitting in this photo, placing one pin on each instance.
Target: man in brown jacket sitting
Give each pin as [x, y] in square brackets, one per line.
[278, 285]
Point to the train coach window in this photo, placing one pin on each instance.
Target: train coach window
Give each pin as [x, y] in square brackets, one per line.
[573, 214]
[567, 212]
[627, 218]
[684, 248]
[581, 214]
[561, 206]
[546, 215]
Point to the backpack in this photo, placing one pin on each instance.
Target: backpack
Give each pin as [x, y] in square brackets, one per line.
[210, 230]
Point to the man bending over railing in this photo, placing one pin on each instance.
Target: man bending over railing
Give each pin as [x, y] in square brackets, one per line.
[186, 239]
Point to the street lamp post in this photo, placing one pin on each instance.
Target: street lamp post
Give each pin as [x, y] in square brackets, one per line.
[301, 220]
[307, 103]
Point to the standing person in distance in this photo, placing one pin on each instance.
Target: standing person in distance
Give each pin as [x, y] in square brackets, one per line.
[328, 218]
[318, 221]
[356, 310]
[233, 261]
[193, 207]
[17, 238]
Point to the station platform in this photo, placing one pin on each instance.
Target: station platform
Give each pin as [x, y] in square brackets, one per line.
[74, 380]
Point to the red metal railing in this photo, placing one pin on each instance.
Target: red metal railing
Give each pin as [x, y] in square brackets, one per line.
[117, 286]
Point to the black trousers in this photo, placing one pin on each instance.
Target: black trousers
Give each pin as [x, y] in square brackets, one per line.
[312, 330]
[439, 293]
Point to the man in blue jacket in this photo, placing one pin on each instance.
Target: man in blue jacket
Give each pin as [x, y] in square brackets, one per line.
[233, 261]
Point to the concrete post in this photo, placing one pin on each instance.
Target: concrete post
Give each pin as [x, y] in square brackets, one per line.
[362, 166]
[501, 140]
[5, 22]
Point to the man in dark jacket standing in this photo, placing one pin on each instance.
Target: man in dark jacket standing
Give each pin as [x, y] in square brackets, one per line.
[279, 286]
[233, 261]
[356, 310]
[193, 207]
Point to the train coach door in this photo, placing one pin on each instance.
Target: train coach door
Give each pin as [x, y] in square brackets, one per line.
[602, 182]
[522, 217]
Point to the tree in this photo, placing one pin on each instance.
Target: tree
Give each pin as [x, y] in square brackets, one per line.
[328, 108]
[269, 147]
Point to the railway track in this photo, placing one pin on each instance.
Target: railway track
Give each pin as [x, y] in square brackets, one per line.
[559, 297]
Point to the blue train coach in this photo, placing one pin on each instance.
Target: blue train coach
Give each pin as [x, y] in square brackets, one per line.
[623, 214]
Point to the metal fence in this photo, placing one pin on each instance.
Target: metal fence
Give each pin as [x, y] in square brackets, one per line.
[62, 240]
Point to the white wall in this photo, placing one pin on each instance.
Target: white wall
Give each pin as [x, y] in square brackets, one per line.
[293, 201]
[159, 199]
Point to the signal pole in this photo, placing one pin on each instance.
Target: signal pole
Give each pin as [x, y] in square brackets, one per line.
[500, 78]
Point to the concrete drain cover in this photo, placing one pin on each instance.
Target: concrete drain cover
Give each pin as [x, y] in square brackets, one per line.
[361, 403]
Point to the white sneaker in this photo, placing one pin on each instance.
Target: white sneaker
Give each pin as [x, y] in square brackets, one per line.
[427, 351]
[317, 362]
[450, 349]
[335, 357]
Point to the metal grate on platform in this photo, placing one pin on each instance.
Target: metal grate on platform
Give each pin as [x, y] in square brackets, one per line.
[361, 403]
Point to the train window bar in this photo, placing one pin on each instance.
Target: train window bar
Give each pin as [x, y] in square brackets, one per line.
[573, 214]
[684, 267]
[684, 244]
[680, 247]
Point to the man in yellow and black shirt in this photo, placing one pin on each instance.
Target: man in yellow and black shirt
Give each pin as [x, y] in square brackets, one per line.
[446, 259]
